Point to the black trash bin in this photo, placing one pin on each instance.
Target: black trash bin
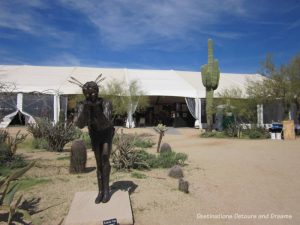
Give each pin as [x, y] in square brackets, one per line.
[276, 131]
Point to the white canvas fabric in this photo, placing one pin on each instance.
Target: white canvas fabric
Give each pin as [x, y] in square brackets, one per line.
[54, 80]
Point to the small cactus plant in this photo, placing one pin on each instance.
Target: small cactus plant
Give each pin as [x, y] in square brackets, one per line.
[183, 186]
[161, 129]
[78, 157]
[176, 172]
[165, 148]
[210, 74]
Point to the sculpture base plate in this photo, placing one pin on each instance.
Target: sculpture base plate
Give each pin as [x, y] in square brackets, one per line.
[84, 211]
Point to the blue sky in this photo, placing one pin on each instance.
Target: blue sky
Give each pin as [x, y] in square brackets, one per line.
[156, 34]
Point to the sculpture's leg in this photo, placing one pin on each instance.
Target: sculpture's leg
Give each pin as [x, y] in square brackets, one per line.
[97, 152]
[105, 172]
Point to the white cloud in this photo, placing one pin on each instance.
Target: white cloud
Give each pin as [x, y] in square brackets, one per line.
[133, 22]
[62, 59]
[125, 23]
[25, 16]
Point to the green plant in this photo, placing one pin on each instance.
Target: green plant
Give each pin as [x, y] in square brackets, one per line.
[213, 134]
[56, 135]
[8, 149]
[124, 99]
[143, 143]
[86, 139]
[210, 74]
[39, 143]
[169, 159]
[148, 159]
[160, 129]
[8, 187]
[125, 155]
[256, 132]
[38, 128]
[138, 175]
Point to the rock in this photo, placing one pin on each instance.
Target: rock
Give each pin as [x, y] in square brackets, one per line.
[183, 186]
[78, 157]
[176, 172]
[165, 148]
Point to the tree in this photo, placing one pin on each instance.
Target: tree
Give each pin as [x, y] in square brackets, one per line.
[124, 98]
[210, 74]
[281, 84]
[243, 110]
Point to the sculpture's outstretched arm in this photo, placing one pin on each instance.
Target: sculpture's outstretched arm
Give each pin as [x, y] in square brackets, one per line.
[81, 115]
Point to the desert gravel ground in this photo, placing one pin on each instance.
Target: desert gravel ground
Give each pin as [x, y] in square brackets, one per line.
[233, 181]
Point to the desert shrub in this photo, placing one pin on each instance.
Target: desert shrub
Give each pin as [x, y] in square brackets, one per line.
[39, 128]
[125, 154]
[233, 129]
[3, 136]
[8, 149]
[252, 132]
[213, 134]
[256, 133]
[57, 135]
[39, 143]
[169, 159]
[143, 142]
[138, 175]
[11, 162]
[147, 159]
[9, 185]
[86, 139]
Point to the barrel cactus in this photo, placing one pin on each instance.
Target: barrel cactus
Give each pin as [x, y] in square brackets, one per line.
[210, 74]
[165, 148]
[78, 157]
[176, 172]
[183, 185]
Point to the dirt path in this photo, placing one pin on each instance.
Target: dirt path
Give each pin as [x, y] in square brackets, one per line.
[227, 177]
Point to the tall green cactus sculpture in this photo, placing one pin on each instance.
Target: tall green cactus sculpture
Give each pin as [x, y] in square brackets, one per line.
[210, 74]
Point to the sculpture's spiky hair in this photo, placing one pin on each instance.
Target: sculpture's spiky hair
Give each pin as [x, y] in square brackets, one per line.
[98, 80]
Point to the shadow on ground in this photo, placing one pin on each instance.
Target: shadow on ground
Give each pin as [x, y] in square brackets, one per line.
[123, 185]
[89, 169]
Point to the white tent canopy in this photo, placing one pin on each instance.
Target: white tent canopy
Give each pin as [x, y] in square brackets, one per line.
[154, 82]
[54, 80]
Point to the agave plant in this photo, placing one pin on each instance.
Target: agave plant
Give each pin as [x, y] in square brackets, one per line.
[8, 191]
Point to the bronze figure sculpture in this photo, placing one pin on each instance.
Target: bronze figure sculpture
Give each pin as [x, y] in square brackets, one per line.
[96, 113]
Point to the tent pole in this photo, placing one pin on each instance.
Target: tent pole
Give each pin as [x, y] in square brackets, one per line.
[260, 115]
[56, 108]
[20, 102]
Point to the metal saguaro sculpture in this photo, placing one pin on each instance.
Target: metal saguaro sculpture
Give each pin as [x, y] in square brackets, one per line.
[210, 74]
